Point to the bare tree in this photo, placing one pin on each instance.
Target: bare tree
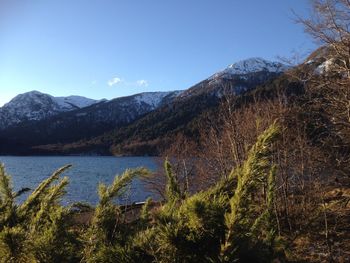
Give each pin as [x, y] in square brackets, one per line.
[329, 86]
[329, 24]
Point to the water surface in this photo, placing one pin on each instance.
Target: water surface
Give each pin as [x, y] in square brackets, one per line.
[84, 176]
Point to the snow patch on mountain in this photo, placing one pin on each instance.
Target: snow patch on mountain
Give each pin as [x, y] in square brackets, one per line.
[324, 67]
[73, 102]
[153, 99]
[251, 65]
[35, 105]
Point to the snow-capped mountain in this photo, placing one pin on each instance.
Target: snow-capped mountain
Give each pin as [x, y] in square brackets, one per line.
[34, 106]
[37, 106]
[251, 65]
[46, 124]
[150, 134]
[238, 78]
[122, 109]
[80, 123]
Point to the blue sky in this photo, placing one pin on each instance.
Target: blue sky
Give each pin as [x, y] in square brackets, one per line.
[112, 48]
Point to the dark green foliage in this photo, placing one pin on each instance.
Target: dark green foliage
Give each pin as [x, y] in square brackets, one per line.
[173, 192]
[242, 222]
[145, 211]
[220, 224]
[106, 238]
[37, 230]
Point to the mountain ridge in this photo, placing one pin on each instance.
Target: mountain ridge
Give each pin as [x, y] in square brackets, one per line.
[139, 117]
[35, 105]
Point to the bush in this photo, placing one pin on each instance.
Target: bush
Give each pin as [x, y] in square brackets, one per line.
[224, 223]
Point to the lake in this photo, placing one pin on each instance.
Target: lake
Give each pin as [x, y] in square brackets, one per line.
[84, 177]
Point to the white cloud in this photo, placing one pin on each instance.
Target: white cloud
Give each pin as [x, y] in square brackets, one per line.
[126, 83]
[114, 81]
[142, 83]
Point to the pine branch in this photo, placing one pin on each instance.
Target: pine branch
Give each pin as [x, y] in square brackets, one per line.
[248, 179]
[33, 201]
[6, 194]
[173, 191]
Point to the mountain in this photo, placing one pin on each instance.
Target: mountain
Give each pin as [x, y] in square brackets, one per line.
[154, 132]
[34, 106]
[83, 123]
[139, 124]
[151, 133]
[238, 78]
[252, 65]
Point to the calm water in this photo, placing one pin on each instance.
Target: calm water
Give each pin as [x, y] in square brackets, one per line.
[84, 176]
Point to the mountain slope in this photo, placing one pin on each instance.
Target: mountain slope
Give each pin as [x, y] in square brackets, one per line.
[34, 106]
[238, 78]
[81, 123]
[151, 133]
[252, 65]
[139, 124]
